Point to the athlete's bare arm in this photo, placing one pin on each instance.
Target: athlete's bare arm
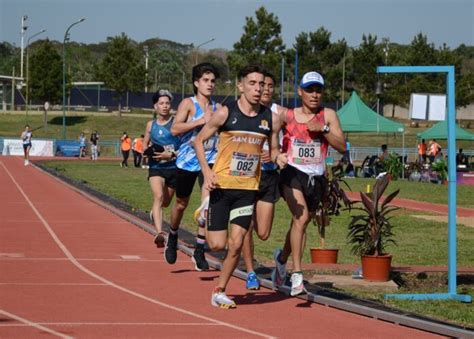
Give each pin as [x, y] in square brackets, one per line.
[146, 139]
[217, 120]
[181, 124]
[278, 157]
[335, 136]
[281, 110]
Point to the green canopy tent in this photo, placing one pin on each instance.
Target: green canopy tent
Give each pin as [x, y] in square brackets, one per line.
[440, 131]
[356, 116]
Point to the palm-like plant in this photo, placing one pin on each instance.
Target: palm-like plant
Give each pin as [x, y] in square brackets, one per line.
[370, 231]
[393, 165]
[331, 205]
[441, 168]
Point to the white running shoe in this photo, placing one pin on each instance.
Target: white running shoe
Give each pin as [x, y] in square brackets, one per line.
[200, 213]
[220, 299]
[279, 272]
[297, 285]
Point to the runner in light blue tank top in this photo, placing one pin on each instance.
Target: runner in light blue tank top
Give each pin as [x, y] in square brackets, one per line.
[187, 159]
[191, 115]
[161, 135]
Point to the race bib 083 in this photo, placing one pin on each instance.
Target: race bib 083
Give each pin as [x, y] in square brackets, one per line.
[306, 153]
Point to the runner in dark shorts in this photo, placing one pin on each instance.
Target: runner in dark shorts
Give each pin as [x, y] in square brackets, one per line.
[162, 162]
[309, 130]
[268, 193]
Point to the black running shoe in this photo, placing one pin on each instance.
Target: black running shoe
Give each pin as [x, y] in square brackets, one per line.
[199, 260]
[171, 248]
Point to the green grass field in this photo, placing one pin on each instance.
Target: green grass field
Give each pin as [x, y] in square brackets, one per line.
[420, 242]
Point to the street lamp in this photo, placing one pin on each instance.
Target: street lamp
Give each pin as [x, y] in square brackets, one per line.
[145, 49]
[23, 30]
[202, 44]
[66, 38]
[28, 67]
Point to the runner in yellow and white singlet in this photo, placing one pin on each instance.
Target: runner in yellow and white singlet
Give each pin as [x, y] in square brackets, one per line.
[244, 126]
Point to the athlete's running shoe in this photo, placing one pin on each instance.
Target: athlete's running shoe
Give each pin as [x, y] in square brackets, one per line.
[171, 248]
[199, 259]
[279, 272]
[200, 213]
[220, 299]
[252, 281]
[297, 285]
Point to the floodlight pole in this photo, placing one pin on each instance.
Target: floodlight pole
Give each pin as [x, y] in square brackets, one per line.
[66, 37]
[202, 44]
[23, 30]
[450, 85]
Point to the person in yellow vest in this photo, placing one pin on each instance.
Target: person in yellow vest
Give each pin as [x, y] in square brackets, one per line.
[137, 149]
[125, 145]
[244, 126]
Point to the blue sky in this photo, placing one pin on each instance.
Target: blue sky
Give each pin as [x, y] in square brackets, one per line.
[196, 21]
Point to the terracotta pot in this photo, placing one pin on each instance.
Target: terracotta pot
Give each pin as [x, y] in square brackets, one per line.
[376, 268]
[323, 256]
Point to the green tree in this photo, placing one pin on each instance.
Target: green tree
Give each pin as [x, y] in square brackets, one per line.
[366, 58]
[122, 68]
[8, 58]
[394, 87]
[46, 74]
[261, 43]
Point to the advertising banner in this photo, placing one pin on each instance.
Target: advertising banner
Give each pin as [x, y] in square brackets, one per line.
[43, 148]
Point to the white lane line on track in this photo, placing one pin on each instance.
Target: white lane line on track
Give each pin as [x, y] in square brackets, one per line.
[87, 259]
[111, 324]
[35, 325]
[62, 221]
[51, 284]
[76, 263]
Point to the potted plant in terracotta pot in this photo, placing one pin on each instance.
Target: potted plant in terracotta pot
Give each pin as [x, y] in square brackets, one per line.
[371, 230]
[331, 204]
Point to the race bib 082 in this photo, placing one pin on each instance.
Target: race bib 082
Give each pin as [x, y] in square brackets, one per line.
[243, 164]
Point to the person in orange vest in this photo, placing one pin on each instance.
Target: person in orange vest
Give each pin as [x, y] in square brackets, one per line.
[422, 148]
[137, 149]
[126, 144]
[433, 149]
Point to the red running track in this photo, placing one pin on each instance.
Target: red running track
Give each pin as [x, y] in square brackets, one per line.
[70, 268]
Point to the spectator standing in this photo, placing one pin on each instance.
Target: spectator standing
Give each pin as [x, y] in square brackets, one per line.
[461, 158]
[422, 148]
[94, 139]
[137, 149]
[384, 149]
[433, 149]
[125, 146]
[82, 145]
